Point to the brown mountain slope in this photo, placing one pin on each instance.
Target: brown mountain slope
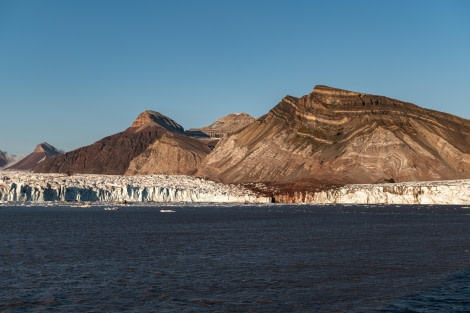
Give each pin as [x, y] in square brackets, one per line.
[171, 154]
[143, 148]
[42, 153]
[333, 136]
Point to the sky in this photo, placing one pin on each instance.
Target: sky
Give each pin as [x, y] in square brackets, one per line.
[73, 72]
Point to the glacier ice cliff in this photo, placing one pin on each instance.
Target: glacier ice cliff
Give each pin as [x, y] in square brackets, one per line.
[25, 186]
[429, 192]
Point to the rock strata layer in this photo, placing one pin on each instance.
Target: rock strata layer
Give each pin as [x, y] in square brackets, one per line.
[23, 186]
[336, 137]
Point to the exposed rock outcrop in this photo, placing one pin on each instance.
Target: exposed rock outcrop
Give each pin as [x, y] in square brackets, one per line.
[23, 186]
[42, 153]
[153, 144]
[337, 137]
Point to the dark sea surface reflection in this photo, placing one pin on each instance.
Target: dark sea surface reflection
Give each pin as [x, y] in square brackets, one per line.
[277, 258]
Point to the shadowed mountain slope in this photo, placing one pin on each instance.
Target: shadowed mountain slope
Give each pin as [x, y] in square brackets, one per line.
[334, 136]
[153, 144]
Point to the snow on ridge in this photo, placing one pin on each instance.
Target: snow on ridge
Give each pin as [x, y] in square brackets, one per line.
[26, 186]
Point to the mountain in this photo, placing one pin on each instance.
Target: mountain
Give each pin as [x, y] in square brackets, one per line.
[8, 159]
[334, 137]
[3, 159]
[153, 144]
[223, 126]
[41, 154]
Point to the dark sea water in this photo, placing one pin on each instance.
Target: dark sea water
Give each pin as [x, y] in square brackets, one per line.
[277, 258]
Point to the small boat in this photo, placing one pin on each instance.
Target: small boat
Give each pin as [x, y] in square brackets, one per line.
[167, 211]
[111, 208]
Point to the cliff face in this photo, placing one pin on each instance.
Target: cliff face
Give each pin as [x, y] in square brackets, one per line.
[333, 136]
[153, 144]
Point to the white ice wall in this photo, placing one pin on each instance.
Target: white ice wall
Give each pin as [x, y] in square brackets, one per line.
[23, 186]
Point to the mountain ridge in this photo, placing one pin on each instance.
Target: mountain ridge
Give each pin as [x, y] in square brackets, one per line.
[134, 149]
[324, 139]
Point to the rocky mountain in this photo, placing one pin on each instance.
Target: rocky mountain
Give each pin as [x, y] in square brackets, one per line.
[223, 126]
[42, 153]
[154, 144]
[335, 137]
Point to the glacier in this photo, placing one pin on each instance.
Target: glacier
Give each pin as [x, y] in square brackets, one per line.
[26, 186]
[16, 186]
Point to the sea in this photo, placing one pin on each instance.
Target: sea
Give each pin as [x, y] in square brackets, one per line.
[235, 258]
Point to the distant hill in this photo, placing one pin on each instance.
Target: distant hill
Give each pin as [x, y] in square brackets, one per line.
[333, 136]
[42, 153]
[153, 144]
[223, 126]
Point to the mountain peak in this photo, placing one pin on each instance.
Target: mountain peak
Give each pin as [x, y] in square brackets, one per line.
[41, 153]
[226, 125]
[46, 148]
[151, 118]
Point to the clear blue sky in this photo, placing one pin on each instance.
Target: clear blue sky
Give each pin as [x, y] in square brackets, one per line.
[72, 72]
